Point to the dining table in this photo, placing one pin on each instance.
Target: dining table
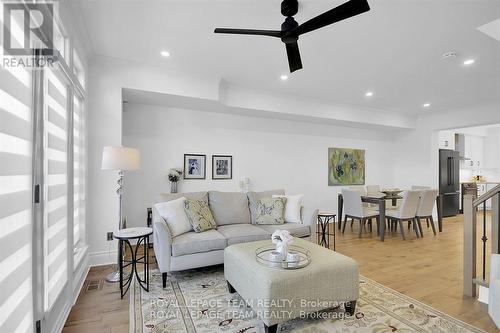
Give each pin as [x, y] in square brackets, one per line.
[380, 201]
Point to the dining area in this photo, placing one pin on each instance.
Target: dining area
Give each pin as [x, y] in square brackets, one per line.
[390, 209]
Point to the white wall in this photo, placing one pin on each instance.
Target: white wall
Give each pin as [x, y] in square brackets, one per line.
[272, 153]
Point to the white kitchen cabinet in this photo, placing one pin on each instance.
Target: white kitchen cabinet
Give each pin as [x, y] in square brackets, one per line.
[492, 149]
[446, 139]
[474, 151]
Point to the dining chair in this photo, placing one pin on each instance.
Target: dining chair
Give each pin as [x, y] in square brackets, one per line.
[360, 189]
[425, 207]
[373, 191]
[353, 207]
[406, 212]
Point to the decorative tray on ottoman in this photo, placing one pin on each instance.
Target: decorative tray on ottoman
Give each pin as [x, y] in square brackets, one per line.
[297, 257]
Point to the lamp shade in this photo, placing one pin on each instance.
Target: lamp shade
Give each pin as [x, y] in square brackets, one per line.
[120, 158]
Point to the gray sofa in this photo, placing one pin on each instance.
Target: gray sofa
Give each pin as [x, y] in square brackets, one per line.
[233, 213]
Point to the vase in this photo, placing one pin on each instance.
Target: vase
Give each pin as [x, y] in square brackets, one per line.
[173, 187]
[283, 249]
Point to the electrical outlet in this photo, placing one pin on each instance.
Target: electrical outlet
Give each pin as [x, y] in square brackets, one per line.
[110, 236]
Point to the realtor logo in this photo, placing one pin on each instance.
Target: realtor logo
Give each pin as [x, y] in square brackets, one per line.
[27, 27]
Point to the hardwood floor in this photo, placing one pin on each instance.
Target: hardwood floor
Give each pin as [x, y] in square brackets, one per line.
[427, 269]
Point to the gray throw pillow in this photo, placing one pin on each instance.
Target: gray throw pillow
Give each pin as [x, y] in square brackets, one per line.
[254, 197]
[199, 215]
[270, 211]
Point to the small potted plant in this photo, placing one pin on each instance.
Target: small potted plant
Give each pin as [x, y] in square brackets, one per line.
[174, 175]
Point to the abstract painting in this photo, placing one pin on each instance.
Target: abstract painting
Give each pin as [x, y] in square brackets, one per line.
[346, 167]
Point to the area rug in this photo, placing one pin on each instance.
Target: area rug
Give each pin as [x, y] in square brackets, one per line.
[197, 301]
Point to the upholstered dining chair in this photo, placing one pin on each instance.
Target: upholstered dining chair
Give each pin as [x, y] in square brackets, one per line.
[353, 208]
[373, 191]
[360, 189]
[424, 210]
[406, 212]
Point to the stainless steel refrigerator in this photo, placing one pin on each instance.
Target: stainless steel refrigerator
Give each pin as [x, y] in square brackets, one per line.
[449, 181]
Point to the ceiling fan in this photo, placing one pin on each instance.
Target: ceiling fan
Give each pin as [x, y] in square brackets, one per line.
[291, 30]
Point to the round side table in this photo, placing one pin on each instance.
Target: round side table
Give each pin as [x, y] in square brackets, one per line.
[124, 236]
[324, 220]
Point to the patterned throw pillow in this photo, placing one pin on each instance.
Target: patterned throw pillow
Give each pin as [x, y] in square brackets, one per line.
[270, 211]
[199, 215]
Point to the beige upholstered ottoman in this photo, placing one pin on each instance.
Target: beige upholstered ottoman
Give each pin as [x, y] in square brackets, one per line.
[278, 295]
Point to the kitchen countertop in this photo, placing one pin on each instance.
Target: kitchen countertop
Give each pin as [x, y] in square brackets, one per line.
[481, 182]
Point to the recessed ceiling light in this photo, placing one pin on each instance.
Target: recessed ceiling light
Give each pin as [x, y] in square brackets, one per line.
[468, 62]
[449, 55]
[369, 94]
[426, 105]
[165, 54]
[284, 77]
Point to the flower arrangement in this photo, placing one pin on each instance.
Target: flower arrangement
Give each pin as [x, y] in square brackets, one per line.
[174, 175]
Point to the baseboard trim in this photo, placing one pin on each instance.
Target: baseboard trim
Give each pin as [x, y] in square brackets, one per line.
[81, 273]
[61, 319]
[103, 258]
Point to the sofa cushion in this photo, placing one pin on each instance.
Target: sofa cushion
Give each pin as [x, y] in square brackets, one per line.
[241, 233]
[199, 215]
[270, 211]
[253, 197]
[174, 215]
[296, 229]
[196, 242]
[163, 197]
[229, 207]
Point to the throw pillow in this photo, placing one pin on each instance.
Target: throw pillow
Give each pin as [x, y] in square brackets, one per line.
[292, 208]
[174, 215]
[254, 197]
[270, 211]
[199, 215]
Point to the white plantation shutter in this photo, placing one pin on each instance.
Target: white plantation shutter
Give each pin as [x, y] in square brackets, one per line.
[56, 187]
[16, 298]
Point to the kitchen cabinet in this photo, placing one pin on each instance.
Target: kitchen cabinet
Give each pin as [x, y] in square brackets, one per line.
[446, 139]
[474, 151]
[492, 149]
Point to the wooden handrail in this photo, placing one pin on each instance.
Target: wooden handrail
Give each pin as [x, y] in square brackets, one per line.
[488, 195]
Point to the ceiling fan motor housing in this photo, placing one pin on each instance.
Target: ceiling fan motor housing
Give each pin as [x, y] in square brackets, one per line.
[289, 7]
[286, 26]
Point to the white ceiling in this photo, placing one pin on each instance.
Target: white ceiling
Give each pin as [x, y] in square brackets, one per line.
[394, 50]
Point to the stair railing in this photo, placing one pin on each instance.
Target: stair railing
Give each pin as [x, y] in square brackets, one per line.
[471, 206]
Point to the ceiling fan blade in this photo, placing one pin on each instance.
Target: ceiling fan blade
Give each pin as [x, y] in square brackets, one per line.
[294, 61]
[344, 11]
[272, 33]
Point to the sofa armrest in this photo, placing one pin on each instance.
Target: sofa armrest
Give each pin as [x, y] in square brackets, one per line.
[495, 267]
[314, 218]
[162, 242]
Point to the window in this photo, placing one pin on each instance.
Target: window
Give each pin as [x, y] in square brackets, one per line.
[78, 68]
[55, 185]
[79, 171]
[16, 308]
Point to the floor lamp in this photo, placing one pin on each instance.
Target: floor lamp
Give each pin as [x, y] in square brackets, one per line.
[121, 159]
